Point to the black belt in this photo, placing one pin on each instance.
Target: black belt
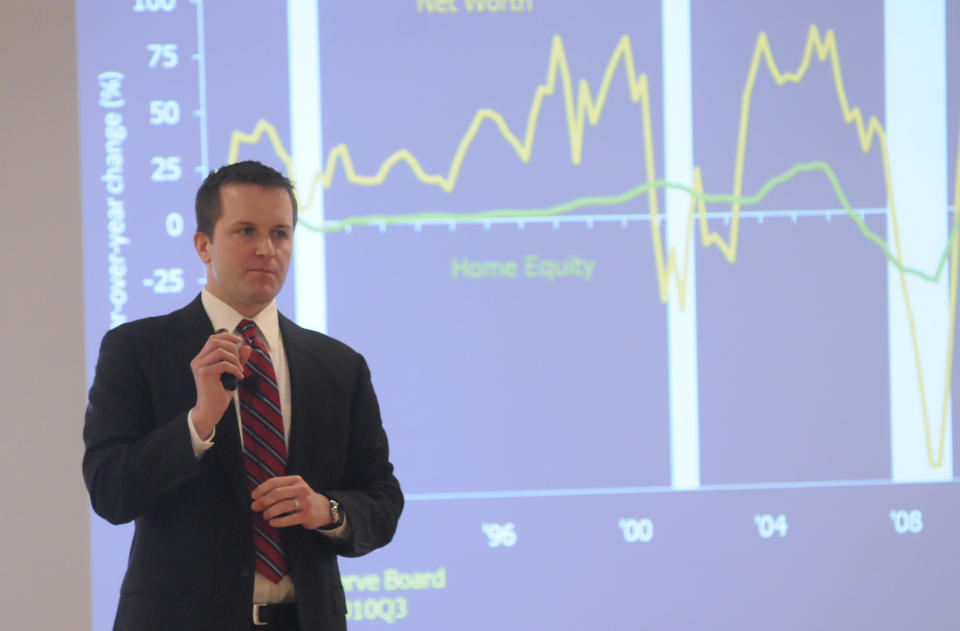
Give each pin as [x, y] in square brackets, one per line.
[280, 617]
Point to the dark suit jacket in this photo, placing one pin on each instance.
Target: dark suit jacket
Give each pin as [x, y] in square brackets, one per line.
[191, 561]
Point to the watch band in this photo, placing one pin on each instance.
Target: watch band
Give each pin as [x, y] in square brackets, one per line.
[337, 513]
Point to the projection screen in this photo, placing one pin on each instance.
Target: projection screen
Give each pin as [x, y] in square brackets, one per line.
[659, 296]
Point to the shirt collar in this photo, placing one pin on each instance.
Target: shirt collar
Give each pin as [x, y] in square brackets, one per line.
[223, 316]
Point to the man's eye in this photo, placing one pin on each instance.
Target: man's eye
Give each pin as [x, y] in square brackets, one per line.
[280, 234]
[246, 230]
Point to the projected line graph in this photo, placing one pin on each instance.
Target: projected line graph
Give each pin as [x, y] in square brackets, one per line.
[585, 108]
[582, 106]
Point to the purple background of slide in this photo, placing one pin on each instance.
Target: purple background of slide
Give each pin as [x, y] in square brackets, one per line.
[793, 370]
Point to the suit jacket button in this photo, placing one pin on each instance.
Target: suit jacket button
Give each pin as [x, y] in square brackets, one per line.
[245, 572]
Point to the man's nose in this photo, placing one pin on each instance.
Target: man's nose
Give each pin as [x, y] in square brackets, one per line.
[265, 247]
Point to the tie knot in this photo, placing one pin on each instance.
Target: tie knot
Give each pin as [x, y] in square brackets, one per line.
[248, 329]
[250, 332]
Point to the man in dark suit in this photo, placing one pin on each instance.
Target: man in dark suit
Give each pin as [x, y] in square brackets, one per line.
[235, 526]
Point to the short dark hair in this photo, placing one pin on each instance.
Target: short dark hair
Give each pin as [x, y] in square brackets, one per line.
[207, 205]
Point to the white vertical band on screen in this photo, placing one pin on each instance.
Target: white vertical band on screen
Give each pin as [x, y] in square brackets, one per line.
[916, 117]
[681, 322]
[310, 277]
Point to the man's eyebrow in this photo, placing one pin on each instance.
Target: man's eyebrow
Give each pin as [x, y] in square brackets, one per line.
[244, 222]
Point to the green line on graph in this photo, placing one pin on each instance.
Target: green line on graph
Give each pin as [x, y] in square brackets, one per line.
[598, 201]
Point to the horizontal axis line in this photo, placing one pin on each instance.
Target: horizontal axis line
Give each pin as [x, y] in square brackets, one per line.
[650, 490]
[622, 218]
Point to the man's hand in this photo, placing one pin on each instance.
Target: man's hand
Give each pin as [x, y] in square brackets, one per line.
[289, 501]
[223, 353]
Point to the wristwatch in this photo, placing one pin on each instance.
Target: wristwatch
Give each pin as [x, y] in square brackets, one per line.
[336, 514]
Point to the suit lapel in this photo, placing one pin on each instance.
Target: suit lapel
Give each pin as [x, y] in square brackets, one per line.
[302, 398]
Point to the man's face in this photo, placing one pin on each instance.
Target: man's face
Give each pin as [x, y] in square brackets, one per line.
[248, 256]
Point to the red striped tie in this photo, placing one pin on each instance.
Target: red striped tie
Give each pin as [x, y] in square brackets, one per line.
[264, 448]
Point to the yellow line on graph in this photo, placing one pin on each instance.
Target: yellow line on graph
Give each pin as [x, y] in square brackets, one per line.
[585, 107]
[578, 111]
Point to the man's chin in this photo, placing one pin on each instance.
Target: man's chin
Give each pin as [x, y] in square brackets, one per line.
[265, 296]
[261, 294]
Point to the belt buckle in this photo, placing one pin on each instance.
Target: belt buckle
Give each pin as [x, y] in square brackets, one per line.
[256, 616]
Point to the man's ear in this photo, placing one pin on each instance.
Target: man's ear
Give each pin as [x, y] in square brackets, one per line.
[201, 242]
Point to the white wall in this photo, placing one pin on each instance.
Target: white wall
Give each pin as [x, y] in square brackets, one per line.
[44, 532]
